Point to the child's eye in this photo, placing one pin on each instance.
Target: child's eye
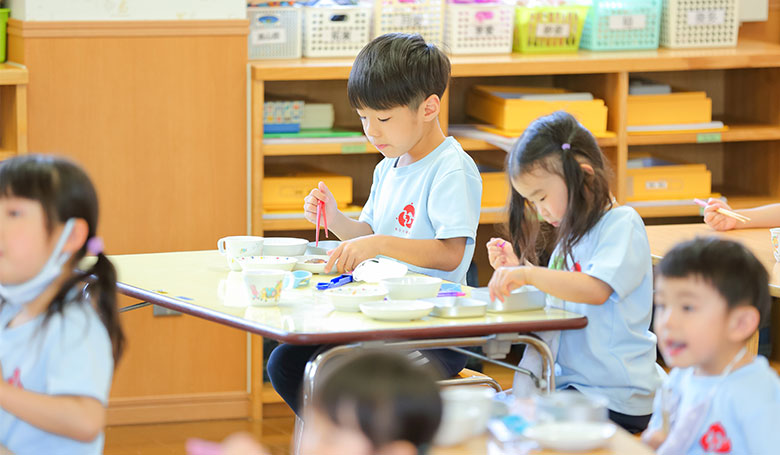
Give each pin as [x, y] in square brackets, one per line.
[14, 213]
[688, 308]
[542, 199]
[384, 119]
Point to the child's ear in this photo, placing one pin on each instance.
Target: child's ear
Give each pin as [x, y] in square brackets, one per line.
[78, 236]
[587, 168]
[431, 107]
[743, 322]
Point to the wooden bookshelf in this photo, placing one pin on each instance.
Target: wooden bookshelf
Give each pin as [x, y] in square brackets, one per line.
[13, 110]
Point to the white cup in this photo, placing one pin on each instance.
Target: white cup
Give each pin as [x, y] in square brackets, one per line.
[465, 413]
[264, 287]
[232, 291]
[239, 246]
[775, 236]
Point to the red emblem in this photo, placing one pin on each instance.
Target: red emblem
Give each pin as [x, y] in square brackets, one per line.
[406, 218]
[577, 267]
[16, 379]
[715, 439]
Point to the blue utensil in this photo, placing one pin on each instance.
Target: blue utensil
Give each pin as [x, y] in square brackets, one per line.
[340, 280]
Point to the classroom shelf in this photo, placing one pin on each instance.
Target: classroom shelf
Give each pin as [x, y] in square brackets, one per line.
[11, 74]
[665, 209]
[319, 148]
[476, 145]
[735, 133]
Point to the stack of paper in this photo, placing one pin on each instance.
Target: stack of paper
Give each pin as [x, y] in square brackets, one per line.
[672, 112]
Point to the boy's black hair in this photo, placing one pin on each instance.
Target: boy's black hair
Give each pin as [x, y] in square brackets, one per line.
[397, 69]
[727, 266]
[65, 191]
[393, 400]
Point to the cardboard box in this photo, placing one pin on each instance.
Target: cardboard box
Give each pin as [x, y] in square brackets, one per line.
[671, 109]
[663, 180]
[286, 191]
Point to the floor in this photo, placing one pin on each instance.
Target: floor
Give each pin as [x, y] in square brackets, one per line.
[169, 439]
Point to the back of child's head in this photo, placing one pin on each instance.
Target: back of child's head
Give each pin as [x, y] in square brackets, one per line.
[395, 70]
[65, 192]
[388, 397]
[727, 266]
[557, 144]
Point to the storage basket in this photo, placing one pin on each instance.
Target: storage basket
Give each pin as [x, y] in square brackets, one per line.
[699, 23]
[548, 29]
[622, 25]
[335, 31]
[425, 17]
[478, 28]
[275, 32]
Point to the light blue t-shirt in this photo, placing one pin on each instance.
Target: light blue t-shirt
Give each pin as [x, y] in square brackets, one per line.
[744, 417]
[437, 197]
[614, 355]
[70, 355]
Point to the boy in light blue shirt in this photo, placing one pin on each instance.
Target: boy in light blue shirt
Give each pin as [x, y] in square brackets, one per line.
[424, 205]
[711, 296]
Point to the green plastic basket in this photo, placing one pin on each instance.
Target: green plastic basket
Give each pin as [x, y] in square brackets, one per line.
[3, 25]
[548, 29]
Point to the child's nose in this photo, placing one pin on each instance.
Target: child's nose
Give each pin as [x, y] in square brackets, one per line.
[372, 129]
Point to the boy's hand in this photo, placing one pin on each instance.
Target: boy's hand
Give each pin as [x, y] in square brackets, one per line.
[352, 252]
[714, 219]
[654, 438]
[505, 279]
[501, 254]
[321, 193]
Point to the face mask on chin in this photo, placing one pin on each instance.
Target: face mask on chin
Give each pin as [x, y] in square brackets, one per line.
[17, 295]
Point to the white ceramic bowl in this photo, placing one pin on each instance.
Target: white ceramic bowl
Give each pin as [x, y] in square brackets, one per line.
[465, 413]
[323, 247]
[319, 268]
[412, 287]
[397, 310]
[284, 246]
[349, 298]
[267, 263]
[571, 436]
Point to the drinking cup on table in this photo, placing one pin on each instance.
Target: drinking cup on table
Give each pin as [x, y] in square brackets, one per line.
[775, 236]
[239, 246]
[264, 287]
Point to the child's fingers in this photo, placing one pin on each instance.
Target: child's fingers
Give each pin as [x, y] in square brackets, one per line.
[334, 256]
[717, 203]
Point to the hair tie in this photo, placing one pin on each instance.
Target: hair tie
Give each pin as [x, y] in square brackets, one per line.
[95, 246]
[566, 146]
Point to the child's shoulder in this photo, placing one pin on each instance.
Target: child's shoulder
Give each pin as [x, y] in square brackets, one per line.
[622, 213]
[450, 156]
[77, 321]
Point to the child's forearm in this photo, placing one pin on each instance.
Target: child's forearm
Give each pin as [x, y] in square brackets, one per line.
[570, 286]
[439, 254]
[347, 228]
[766, 216]
[75, 417]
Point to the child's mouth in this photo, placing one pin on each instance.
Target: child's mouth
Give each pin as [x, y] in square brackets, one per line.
[673, 348]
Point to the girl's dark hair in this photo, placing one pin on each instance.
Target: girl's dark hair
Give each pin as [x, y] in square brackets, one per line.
[730, 268]
[397, 69]
[65, 192]
[557, 144]
[392, 399]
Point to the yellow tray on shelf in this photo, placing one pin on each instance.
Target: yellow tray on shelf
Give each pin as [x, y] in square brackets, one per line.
[674, 108]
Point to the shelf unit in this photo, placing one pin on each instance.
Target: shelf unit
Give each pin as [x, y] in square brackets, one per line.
[13, 110]
[748, 154]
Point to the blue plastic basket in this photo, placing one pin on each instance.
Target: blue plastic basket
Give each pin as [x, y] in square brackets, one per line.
[622, 25]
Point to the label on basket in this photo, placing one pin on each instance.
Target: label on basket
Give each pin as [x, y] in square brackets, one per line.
[336, 35]
[408, 20]
[698, 17]
[275, 35]
[656, 185]
[481, 30]
[552, 30]
[627, 22]
[708, 137]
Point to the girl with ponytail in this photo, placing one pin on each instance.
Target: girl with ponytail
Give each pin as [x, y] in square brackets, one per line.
[60, 335]
[569, 239]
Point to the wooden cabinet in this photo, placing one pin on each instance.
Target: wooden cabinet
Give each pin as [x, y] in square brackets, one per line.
[13, 110]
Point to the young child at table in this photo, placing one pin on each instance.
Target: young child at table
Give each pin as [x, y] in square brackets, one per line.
[711, 297]
[424, 204]
[59, 340]
[374, 403]
[767, 216]
[600, 266]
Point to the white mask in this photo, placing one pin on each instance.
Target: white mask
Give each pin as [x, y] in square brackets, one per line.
[16, 295]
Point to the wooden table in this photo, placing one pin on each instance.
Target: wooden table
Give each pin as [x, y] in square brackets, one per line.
[663, 238]
[189, 282]
[622, 443]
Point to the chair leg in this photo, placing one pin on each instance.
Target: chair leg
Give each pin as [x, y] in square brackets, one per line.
[473, 380]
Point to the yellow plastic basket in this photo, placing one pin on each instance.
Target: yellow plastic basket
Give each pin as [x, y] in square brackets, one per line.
[548, 29]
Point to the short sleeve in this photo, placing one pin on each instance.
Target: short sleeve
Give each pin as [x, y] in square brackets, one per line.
[621, 255]
[81, 361]
[760, 423]
[367, 214]
[454, 205]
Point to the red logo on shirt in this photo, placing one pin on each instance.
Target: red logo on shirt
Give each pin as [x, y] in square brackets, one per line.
[715, 439]
[576, 267]
[16, 379]
[406, 217]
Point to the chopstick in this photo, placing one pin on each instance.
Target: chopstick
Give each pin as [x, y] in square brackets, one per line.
[320, 215]
[725, 212]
